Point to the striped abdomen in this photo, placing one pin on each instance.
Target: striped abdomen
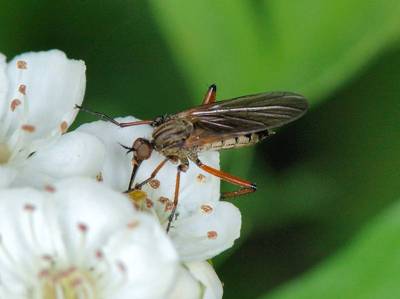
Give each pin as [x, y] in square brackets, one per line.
[235, 142]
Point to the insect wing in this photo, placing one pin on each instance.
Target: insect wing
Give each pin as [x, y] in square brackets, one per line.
[244, 115]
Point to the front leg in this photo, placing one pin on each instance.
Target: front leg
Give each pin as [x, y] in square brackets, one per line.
[183, 167]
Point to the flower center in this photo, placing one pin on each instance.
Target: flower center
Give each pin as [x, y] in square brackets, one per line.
[5, 153]
[72, 283]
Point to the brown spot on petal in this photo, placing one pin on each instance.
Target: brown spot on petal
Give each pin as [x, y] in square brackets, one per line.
[149, 203]
[28, 128]
[201, 178]
[212, 235]
[22, 89]
[163, 199]
[64, 127]
[29, 207]
[169, 206]
[22, 65]
[207, 209]
[99, 254]
[82, 227]
[49, 188]
[14, 104]
[155, 184]
[133, 224]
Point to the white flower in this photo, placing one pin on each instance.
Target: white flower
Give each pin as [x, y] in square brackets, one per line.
[38, 92]
[204, 226]
[80, 239]
[197, 280]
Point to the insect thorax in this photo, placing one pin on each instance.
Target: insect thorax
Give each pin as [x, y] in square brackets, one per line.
[169, 137]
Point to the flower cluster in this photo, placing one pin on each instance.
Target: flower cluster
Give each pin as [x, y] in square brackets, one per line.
[67, 229]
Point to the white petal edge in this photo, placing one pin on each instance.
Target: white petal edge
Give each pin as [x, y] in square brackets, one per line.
[186, 286]
[54, 84]
[205, 273]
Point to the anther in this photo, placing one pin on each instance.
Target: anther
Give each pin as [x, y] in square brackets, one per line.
[63, 127]
[22, 65]
[207, 209]
[212, 235]
[14, 104]
[28, 128]
[154, 183]
[201, 178]
[82, 227]
[29, 207]
[22, 89]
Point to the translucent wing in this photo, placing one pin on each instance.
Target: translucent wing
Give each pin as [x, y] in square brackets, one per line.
[244, 115]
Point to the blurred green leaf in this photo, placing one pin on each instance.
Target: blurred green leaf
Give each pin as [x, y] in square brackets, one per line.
[348, 171]
[369, 268]
[307, 46]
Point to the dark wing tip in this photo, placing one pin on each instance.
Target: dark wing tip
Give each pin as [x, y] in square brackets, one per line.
[296, 100]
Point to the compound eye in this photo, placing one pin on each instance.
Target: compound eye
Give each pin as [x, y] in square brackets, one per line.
[144, 151]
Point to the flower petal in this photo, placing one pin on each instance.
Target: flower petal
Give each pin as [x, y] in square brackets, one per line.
[205, 273]
[94, 218]
[73, 154]
[82, 226]
[7, 175]
[208, 232]
[48, 85]
[147, 259]
[186, 286]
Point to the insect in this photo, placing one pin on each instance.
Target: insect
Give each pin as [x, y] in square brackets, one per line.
[213, 125]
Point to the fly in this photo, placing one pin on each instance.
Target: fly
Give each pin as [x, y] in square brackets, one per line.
[232, 123]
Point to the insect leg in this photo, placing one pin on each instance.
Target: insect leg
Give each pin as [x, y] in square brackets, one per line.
[152, 175]
[181, 168]
[211, 95]
[245, 186]
[105, 117]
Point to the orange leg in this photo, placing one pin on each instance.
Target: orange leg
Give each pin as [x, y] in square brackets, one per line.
[153, 174]
[211, 95]
[245, 186]
[181, 168]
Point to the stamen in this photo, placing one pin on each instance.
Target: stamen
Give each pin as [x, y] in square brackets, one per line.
[207, 209]
[30, 209]
[133, 224]
[163, 200]
[49, 188]
[149, 203]
[201, 178]
[83, 229]
[14, 104]
[22, 89]
[22, 65]
[63, 127]
[28, 128]
[154, 183]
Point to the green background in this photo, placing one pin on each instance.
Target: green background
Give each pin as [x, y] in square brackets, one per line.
[325, 222]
